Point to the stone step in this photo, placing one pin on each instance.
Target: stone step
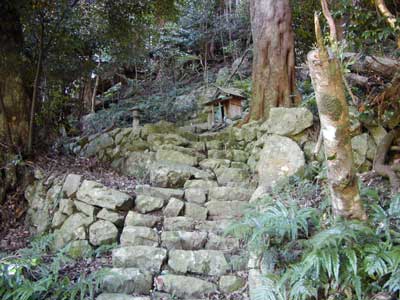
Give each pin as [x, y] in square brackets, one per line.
[200, 183]
[127, 281]
[145, 204]
[164, 193]
[174, 175]
[229, 194]
[182, 240]
[218, 227]
[201, 262]
[114, 296]
[177, 157]
[226, 244]
[185, 286]
[135, 219]
[142, 257]
[179, 224]
[233, 177]
[225, 209]
[139, 236]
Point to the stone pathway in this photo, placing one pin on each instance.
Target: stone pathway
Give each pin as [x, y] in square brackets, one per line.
[173, 245]
[172, 242]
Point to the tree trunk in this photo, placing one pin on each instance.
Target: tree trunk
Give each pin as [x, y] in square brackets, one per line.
[93, 102]
[390, 18]
[326, 77]
[14, 114]
[273, 63]
[35, 89]
[87, 94]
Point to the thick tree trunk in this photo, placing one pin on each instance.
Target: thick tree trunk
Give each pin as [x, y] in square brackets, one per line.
[14, 116]
[273, 63]
[326, 77]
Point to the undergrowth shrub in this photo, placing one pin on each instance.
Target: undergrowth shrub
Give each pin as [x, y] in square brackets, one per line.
[318, 257]
[34, 273]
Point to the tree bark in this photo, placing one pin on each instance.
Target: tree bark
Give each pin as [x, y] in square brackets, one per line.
[273, 63]
[326, 77]
[390, 18]
[14, 99]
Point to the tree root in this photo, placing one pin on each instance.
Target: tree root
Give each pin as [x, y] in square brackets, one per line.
[379, 162]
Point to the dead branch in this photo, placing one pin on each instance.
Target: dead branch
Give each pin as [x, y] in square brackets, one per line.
[330, 20]
[379, 162]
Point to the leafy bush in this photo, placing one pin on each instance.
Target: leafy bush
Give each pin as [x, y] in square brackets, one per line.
[33, 273]
[319, 257]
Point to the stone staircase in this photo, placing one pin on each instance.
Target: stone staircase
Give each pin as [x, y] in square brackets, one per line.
[173, 243]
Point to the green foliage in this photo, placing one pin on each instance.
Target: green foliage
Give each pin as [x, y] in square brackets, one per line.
[336, 258]
[33, 273]
[277, 218]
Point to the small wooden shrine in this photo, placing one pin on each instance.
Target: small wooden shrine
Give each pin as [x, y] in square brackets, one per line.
[226, 104]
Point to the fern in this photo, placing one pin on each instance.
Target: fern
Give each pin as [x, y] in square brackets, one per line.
[347, 259]
[27, 275]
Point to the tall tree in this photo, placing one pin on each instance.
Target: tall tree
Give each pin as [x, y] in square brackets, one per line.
[273, 63]
[14, 102]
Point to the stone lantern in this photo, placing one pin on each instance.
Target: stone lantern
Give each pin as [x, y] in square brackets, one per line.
[135, 116]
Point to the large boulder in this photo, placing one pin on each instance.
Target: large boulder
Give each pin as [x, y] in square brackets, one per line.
[280, 158]
[287, 121]
[96, 194]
